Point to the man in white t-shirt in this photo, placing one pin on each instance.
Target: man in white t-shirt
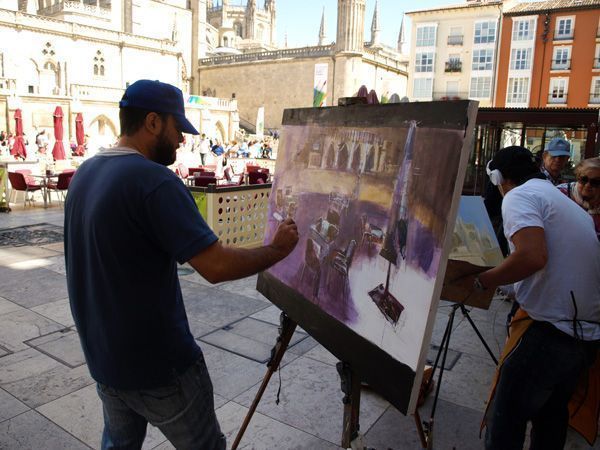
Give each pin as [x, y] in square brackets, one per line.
[203, 148]
[555, 265]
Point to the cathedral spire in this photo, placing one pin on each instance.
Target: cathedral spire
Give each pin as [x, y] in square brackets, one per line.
[322, 35]
[401, 39]
[375, 30]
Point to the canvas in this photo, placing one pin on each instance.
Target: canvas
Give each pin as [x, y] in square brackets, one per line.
[374, 191]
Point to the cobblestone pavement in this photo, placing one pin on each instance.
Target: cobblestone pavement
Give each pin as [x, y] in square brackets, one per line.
[48, 400]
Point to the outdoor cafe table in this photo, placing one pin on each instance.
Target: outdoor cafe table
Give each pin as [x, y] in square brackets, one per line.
[44, 180]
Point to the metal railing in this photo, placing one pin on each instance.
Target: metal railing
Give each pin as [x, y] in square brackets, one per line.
[453, 66]
[596, 63]
[455, 39]
[561, 64]
[446, 96]
[558, 98]
[320, 50]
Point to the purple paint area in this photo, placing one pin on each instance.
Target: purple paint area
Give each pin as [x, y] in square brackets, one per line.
[319, 266]
[423, 251]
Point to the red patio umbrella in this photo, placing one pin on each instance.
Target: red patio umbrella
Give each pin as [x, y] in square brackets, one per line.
[58, 151]
[79, 135]
[18, 148]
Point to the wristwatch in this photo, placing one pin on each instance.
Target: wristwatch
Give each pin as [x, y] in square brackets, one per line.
[478, 284]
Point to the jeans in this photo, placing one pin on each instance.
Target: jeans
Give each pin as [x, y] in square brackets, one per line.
[183, 410]
[202, 158]
[536, 382]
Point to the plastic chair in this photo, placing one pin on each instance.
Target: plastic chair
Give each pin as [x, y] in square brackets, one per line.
[257, 178]
[204, 181]
[61, 185]
[20, 183]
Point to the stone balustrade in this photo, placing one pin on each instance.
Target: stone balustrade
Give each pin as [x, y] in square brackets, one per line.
[43, 24]
[78, 7]
[86, 92]
[303, 52]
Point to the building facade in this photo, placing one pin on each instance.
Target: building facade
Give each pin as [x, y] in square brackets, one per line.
[453, 53]
[285, 78]
[550, 55]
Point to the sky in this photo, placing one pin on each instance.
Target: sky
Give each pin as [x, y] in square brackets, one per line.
[301, 19]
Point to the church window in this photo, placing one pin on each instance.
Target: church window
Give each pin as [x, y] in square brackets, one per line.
[237, 28]
[99, 64]
[225, 42]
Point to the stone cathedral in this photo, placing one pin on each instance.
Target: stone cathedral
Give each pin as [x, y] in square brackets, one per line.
[82, 54]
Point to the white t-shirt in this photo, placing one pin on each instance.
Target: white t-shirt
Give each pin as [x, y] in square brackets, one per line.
[573, 258]
[204, 146]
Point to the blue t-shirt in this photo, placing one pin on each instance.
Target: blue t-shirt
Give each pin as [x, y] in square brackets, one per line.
[128, 221]
[218, 150]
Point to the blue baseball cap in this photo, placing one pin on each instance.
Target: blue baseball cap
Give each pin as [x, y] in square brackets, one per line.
[558, 147]
[157, 97]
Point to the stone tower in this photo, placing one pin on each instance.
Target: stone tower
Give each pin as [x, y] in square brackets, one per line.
[322, 35]
[251, 19]
[270, 8]
[350, 26]
[375, 29]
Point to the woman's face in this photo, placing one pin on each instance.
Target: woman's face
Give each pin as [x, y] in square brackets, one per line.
[588, 185]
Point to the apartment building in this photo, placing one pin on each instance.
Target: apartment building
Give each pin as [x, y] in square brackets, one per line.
[549, 55]
[454, 52]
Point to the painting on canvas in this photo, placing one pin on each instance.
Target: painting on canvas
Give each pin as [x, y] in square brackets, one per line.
[374, 191]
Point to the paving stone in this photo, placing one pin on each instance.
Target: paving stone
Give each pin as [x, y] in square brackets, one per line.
[264, 432]
[36, 379]
[231, 374]
[57, 264]
[31, 430]
[80, 413]
[199, 328]
[57, 247]
[320, 353]
[455, 427]
[39, 286]
[7, 306]
[63, 345]
[245, 287]
[270, 314]
[311, 400]
[59, 311]
[216, 307]
[12, 257]
[4, 351]
[10, 406]
[239, 345]
[468, 383]
[21, 325]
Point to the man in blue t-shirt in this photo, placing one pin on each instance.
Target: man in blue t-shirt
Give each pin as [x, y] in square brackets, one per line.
[128, 221]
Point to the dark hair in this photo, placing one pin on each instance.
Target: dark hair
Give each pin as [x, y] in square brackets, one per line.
[517, 164]
[132, 119]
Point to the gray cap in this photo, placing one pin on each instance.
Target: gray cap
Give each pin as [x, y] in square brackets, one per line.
[558, 147]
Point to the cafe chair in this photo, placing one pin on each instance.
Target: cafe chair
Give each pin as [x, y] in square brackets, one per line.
[61, 186]
[257, 177]
[204, 181]
[341, 261]
[20, 183]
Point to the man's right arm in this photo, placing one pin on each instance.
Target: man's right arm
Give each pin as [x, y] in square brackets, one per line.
[218, 263]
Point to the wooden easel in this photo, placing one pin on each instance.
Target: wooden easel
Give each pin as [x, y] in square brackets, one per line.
[350, 386]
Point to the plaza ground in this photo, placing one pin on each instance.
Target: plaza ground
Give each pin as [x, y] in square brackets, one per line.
[48, 399]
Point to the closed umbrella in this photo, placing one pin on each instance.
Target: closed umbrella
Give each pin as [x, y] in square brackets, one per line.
[58, 151]
[79, 135]
[18, 148]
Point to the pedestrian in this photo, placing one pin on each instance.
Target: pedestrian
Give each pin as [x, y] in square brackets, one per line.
[555, 265]
[41, 140]
[554, 159]
[128, 222]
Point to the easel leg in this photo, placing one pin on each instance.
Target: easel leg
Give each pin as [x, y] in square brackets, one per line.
[466, 314]
[351, 389]
[286, 331]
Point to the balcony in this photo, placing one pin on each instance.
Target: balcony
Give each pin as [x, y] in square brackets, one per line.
[558, 98]
[455, 39]
[96, 10]
[453, 66]
[447, 96]
[596, 63]
[563, 36]
[561, 64]
[594, 98]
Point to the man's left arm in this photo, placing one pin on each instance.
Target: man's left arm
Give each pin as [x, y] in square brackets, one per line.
[529, 256]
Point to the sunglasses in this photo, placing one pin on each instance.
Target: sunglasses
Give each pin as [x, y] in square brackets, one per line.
[594, 182]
